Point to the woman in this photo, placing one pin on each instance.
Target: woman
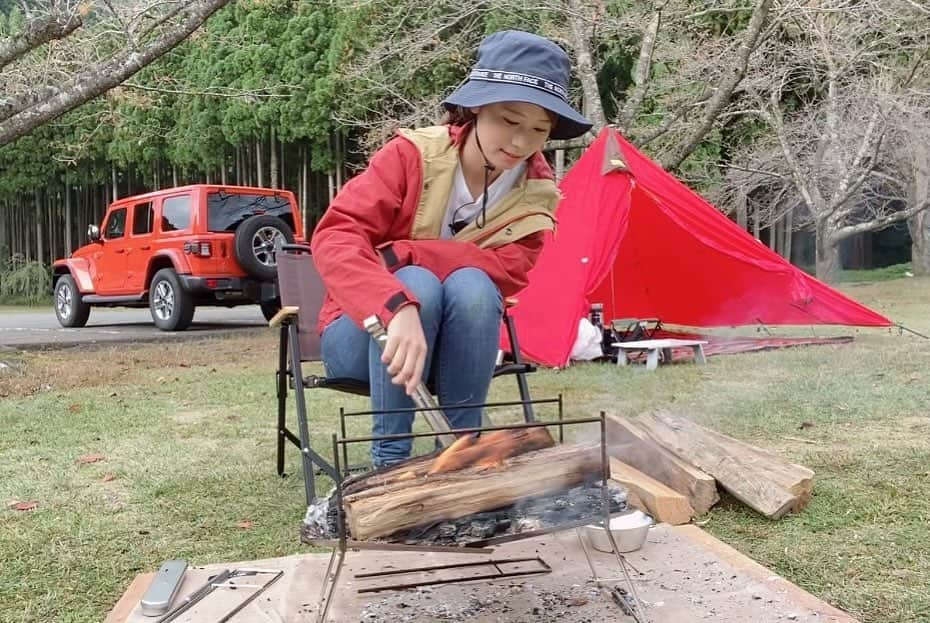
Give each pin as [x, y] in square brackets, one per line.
[443, 223]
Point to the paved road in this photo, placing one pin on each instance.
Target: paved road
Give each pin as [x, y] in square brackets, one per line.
[40, 329]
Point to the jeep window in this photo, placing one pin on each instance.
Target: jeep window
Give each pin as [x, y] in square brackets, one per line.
[142, 219]
[116, 224]
[226, 211]
[176, 213]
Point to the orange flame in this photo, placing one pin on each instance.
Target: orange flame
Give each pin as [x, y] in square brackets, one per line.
[490, 449]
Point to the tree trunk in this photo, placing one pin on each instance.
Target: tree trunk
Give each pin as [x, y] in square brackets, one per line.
[828, 254]
[789, 234]
[68, 238]
[40, 246]
[559, 165]
[919, 228]
[274, 161]
[338, 160]
[282, 165]
[4, 227]
[258, 162]
[51, 223]
[303, 187]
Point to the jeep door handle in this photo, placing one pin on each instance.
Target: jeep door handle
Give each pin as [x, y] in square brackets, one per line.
[121, 250]
[145, 247]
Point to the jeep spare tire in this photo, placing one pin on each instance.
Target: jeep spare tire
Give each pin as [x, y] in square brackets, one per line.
[255, 243]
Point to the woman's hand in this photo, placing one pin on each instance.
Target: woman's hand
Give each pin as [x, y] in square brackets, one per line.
[405, 349]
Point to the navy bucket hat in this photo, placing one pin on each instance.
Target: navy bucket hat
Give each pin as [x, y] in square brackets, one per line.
[516, 66]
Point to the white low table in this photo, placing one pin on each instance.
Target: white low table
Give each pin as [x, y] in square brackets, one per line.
[652, 347]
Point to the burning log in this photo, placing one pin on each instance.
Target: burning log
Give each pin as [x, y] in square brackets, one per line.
[488, 450]
[421, 491]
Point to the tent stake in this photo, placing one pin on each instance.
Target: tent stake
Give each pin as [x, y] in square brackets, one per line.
[903, 328]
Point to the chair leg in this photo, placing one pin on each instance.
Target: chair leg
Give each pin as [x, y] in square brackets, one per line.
[282, 397]
[528, 414]
[303, 429]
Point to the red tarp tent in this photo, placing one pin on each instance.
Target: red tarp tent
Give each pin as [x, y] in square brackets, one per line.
[634, 238]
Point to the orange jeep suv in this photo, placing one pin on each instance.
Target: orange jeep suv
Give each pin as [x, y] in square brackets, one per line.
[178, 248]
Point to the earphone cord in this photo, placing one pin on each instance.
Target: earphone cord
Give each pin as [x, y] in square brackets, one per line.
[488, 167]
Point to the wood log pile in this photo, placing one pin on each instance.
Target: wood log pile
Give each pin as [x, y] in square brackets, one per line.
[671, 466]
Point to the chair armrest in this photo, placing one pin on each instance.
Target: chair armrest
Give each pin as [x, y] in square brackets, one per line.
[284, 314]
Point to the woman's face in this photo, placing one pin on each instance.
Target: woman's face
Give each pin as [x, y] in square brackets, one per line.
[511, 132]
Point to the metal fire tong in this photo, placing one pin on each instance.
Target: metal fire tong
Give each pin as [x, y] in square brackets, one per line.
[422, 397]
[221, 580]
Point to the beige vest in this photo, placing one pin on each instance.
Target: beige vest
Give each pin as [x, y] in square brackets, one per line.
[526, 209]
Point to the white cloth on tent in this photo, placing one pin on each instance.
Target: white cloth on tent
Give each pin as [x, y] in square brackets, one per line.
[588, 343]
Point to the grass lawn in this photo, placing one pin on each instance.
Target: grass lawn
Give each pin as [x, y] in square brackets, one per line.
[135, 455]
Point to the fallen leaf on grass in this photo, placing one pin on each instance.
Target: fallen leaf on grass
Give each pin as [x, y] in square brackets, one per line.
[75, 408]
[90, 458]
[184, 365]
[245, 524]
[108, 477]
[24, 506]
[806, 425]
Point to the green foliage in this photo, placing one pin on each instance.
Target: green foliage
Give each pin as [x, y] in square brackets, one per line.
[24, 282]
[898, 271]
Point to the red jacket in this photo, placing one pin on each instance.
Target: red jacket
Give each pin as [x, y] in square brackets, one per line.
[374, 214]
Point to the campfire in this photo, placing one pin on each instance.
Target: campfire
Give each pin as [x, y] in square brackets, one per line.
[489, 450]
[498, 484]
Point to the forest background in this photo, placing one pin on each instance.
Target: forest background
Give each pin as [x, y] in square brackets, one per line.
[806, 121]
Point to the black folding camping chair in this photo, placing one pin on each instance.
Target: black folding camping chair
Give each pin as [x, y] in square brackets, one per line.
[302, 292]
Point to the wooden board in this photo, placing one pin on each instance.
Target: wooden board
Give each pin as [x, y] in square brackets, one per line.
[405, 503]
[661, 502]
[759, 479]
[629, 443]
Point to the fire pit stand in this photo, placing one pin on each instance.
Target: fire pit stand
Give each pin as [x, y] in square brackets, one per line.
[343, 542]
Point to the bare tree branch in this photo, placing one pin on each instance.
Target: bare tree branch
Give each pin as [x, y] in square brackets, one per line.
[38, 31]
[52, 102]
[725, 89]
[581, 39]
[641, 73]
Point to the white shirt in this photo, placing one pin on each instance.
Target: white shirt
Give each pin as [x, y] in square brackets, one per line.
[462, 206]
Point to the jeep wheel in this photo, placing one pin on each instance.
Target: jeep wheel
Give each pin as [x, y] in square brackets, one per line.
[255, 245]
[69, 308]
[171, 306]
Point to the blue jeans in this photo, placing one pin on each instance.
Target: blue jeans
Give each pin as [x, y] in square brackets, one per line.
[461, 319]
